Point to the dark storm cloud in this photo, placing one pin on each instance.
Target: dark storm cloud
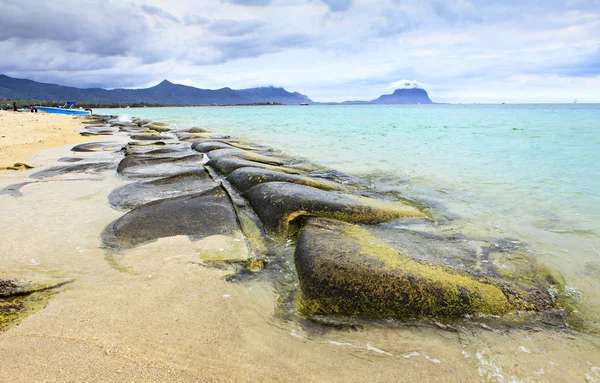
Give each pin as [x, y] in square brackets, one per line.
[81, 26]
[338, 5]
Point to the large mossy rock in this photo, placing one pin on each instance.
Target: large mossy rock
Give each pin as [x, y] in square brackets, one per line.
[142, 192]
[344, 270]
[198, 216]
[279, 203]
[245, 178]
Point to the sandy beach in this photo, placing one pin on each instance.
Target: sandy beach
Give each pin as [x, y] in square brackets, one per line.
[24, 134]
[161, 312]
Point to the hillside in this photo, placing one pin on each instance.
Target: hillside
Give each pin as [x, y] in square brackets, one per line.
[165, 93]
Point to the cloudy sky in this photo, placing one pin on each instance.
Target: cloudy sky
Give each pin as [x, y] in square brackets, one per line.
[335, 50]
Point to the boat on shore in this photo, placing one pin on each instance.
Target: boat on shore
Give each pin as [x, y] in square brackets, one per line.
[68, 108]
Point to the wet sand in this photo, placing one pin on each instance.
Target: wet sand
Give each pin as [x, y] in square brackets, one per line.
[159, 313]
[23, 134]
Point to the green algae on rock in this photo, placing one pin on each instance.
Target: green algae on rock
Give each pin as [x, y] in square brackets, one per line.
[344, 270]
[245, 178]
[20, 299]
[279, 203]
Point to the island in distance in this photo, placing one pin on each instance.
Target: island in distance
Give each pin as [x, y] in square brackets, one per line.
[166, 93]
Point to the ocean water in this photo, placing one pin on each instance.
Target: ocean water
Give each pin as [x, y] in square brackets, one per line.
[520, 171]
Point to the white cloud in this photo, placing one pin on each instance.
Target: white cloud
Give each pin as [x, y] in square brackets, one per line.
[337, 50]
[406, 84]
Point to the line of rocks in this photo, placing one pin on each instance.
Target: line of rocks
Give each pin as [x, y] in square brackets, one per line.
[359, 253]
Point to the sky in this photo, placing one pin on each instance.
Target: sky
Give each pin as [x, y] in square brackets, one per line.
[460, 51]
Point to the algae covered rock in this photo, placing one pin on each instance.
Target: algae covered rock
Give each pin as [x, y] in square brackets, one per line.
[245, 178]
[279, 203]
[344, 270]
[197, 215]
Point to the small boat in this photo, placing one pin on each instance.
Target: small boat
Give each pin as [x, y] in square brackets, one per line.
[305, 101]
[68, 108]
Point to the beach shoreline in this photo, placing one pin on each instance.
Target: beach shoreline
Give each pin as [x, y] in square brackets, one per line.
[23, 134]
[159, 312]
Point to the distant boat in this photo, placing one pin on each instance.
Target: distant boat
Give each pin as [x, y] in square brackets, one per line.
[575, 101]
[305, 101]
[67, 108]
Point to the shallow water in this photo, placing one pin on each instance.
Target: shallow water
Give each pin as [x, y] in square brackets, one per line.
[202, 325]
[155, 314]
[517, 171]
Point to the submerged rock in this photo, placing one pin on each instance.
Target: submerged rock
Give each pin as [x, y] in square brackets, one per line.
[98, 147]
[245, 178]
[142, 192]
[198, 216]
[344, 270]
[86, 167]
[279, 203]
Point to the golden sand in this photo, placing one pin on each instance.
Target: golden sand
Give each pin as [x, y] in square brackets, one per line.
[23, 134]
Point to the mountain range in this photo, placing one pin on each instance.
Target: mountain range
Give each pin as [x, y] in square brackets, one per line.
[167, 93]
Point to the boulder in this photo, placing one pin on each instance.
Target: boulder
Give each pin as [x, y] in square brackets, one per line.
[150, 137]
[219, 154]
[344, 270]
[207, 146]
[227, 165]
[145, 166]
[245, 178]
[197, 215]
[279, 203]
[103, 146]
[142, 192]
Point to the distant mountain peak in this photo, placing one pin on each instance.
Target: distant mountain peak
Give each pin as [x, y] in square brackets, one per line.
[405, 96]
[164, 93]
[165, 83]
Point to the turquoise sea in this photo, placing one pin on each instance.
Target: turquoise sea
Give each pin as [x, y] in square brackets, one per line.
[520, 171]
